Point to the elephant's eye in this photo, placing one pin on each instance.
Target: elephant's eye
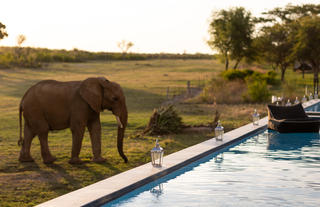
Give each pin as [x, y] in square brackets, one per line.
[115, 99]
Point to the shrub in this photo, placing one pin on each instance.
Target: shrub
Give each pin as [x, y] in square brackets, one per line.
[257, 91]
[164, 120]
[269, 77]
[236, 74]
[6, 59]
[12, 59]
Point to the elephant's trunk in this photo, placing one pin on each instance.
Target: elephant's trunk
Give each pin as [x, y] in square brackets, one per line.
[122, 124]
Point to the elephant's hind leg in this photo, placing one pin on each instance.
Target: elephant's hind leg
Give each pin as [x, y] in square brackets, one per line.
[45, 152]
[25, 155]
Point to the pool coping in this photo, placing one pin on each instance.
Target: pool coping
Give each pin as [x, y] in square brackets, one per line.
[113, 187]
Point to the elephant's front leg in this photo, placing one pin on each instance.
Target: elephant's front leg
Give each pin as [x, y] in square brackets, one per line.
[77, 137]
[94, 128]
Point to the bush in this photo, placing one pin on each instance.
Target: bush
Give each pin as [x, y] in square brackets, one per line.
[12, 59]
[269, 77]
[164, 120]
[257, 91]
[236, 74]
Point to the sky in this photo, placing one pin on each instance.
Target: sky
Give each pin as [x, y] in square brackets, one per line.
[153, 26]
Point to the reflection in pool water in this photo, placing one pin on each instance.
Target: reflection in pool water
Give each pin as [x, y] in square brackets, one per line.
[268, 169]
[290, 141]
[157, 190]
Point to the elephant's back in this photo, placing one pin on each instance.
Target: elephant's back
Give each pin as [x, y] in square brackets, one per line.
[50, 101]
[51, 90]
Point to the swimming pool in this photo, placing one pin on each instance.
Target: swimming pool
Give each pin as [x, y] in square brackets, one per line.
[315, 107]
[267, 169]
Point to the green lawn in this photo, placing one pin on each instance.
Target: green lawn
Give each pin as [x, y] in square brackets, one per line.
[145, 84]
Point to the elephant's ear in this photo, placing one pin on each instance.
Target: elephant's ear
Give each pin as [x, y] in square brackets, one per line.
[91, 92]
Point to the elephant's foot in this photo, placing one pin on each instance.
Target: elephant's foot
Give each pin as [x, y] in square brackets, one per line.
[49, 160]
[75, 160]
[99, 160]
[26, 158]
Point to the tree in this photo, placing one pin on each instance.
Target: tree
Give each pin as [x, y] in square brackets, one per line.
[275, 46]
[125, 46]
[3, 32]
[306, 45]
[21, 39]
[276, 41]
[231, 34]
[291, 13]
[18, 50]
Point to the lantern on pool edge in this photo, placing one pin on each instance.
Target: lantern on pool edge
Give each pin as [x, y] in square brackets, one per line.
[255, 117]
[219, 131]
[157, 155]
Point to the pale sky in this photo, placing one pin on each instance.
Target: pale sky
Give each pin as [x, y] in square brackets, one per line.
[153, 26]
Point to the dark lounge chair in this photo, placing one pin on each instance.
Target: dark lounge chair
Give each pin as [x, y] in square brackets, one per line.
[286, 119]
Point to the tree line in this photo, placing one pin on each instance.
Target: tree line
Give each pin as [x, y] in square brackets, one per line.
[281, 37]
[31, 57]
[35, 57]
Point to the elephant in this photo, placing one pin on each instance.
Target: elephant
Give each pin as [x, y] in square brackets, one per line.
[54, 105]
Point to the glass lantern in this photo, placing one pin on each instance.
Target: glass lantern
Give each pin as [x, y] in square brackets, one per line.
[315, 95]
[219, 131]
[296, 101]
[288, 103]
[157, 155]
[304, 99]
[255, 117]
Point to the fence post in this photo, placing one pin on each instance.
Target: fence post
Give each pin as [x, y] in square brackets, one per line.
[188, 88]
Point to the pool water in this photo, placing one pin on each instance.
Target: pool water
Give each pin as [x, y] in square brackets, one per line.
[315, 107]
[266, 169]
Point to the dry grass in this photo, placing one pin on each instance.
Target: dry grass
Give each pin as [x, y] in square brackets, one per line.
[221, 91]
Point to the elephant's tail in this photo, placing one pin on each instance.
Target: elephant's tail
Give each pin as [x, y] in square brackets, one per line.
[20, 142]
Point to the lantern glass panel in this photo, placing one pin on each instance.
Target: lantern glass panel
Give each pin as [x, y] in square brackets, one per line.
[157, 155]
[219, 131]
[255, 117]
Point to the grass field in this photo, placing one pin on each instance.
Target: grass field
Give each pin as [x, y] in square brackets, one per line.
[145, 84]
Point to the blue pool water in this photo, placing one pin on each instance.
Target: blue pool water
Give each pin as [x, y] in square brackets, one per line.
[315, 107]
[267, 169]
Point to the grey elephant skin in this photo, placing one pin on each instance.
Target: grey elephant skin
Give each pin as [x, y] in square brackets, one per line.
[53, 105]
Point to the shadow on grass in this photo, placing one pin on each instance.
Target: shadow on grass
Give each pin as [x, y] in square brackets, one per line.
[67, 177]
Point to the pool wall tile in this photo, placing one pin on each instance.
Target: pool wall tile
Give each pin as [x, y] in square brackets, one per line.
[118, 185]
